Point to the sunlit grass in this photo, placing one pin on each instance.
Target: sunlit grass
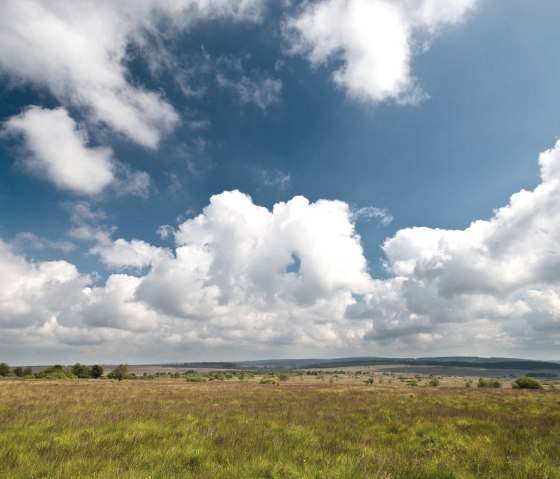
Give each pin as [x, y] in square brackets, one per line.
[174, 428]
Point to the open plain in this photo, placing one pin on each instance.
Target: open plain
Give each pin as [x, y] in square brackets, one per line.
[303, 427]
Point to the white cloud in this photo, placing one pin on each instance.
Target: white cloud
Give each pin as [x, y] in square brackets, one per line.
[498, 276]
[58, 150]
[32, 293]
[123, 254]
[78, 51]
[244, 280]
[376, 41]
[236, 256]
[240, 275]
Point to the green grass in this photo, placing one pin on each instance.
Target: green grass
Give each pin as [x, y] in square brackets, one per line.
[178, 429]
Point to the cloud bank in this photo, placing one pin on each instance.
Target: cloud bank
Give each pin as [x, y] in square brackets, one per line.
[246, 281]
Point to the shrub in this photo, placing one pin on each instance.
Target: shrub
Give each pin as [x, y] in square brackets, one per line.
[489, 383]
[18, 372]
[525, 382]
[55, 372]
[434, 383]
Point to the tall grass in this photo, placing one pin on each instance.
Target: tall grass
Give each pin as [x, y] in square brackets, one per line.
[179, 429]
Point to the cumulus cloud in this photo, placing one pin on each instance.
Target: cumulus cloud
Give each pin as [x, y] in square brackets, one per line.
[78, 51]
[58, 150]
[375, 40]
[30, 293]
[240, 274]
[499, 276]
[293, 279]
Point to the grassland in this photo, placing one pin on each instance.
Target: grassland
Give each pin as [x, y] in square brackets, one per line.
[170, 428]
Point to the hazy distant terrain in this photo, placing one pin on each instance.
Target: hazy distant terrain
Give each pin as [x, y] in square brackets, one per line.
[447, 366]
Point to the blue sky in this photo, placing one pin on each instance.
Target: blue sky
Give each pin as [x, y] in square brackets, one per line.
[401, 123]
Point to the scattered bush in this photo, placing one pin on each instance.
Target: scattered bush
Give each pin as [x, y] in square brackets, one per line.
[527, 383]
[18, 372]
[434, 383]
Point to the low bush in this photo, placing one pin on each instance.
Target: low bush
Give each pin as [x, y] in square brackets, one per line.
[55, 372]
[525, 382]
[489, 383]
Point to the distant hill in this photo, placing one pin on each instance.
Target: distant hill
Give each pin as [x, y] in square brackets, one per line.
[513, 364]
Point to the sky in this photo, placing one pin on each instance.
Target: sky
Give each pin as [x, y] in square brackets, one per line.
[223, 180]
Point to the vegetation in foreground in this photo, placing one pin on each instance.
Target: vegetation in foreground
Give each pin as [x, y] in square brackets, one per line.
[237, 429]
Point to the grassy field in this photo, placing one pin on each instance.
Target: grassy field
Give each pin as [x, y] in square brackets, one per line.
[233, 429]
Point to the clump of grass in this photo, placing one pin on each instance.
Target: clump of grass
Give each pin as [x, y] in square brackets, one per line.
[267, 380]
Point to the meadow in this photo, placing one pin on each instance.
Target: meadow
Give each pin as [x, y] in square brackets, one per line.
[171, 428]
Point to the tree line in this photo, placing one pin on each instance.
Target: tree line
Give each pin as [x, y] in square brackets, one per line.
[60, 372]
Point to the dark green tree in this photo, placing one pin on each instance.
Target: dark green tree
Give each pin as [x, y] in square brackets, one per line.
[18, 372]
[120, 372]
[80, 370]
[96, 371]
[5, 370]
